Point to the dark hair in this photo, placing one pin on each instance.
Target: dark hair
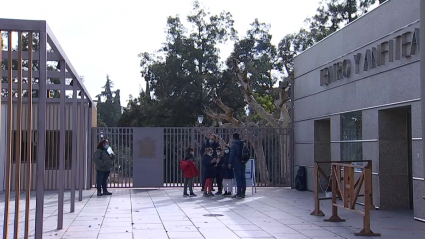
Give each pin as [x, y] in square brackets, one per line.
[236, 136]
[188, 150]
[101, 143]
[218, 148]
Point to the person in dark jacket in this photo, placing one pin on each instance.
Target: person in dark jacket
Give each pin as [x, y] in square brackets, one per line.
[208, 163]
[238, 165]
[218, 169]
[212, 143]
[189, 172]
[227, 173]
[103, 162]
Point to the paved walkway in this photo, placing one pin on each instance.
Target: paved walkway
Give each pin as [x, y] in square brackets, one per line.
[164, 213]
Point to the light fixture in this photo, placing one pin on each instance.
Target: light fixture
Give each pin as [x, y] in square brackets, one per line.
[200, 119]
[220, 123]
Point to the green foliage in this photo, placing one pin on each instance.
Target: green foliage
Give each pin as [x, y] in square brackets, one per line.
[334, 14]
[108, 105]
[266, 101]
[186, 74]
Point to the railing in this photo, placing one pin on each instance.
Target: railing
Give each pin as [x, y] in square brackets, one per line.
[345, 187]
[270, 147]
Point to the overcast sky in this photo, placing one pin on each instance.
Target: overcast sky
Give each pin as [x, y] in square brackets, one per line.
[103, 37]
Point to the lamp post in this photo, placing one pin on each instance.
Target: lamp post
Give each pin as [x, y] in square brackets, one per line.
[200, 119]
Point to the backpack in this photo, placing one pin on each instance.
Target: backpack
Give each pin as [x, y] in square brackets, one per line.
[301, 179]
[245, 154]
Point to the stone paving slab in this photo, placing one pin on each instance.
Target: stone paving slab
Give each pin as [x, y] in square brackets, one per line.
[164, 213]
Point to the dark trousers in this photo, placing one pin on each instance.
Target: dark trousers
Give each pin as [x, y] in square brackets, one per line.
[101, 178]
[240, 180]
[188, 182]
[219, 181]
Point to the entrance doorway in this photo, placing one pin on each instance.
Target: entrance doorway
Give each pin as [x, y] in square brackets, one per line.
[395, 158]
[322, 140]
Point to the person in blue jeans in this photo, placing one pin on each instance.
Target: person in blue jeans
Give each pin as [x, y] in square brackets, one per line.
[238, 166]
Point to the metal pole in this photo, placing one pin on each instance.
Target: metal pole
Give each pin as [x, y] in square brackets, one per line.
[422, 75]
[8, 139]
[89, 149]
[81, 150]
[74, 143]
[292, 134]
[18, 141]
[62, 141]
[29, 139]
[41, 145]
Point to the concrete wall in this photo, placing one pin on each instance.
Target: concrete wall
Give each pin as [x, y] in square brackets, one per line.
[391, 85]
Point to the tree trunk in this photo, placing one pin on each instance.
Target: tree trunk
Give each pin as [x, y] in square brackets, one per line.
[256, 141]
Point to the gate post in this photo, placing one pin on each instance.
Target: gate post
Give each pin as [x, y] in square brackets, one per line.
[336, 175]
[366, 231]
[317, 211]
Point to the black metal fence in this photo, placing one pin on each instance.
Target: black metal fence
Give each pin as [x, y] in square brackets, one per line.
[269, 147]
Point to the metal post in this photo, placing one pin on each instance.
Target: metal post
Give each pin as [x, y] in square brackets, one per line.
[90, 148]
[292, 134]
[74, 142]
[62, 141]
[81, 150]
[18, 141]
[29, 139]
[41, 145]
[8, 139]
[422, 75]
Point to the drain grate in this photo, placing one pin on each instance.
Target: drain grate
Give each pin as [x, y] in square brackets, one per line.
[213, 215]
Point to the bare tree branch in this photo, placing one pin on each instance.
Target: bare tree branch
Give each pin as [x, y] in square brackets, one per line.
[227, 115]
[248, 94]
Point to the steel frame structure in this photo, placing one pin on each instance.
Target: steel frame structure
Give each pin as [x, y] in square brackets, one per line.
[79, 118]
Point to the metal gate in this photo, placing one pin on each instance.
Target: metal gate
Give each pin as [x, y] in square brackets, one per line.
[121, 142]
[270, 147]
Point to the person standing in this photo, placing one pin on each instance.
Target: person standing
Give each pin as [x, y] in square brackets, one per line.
[212, 143]
[189, 172]
[238, 165]
[218, 169]
[227, 173]
[208, 162]
[103, 161]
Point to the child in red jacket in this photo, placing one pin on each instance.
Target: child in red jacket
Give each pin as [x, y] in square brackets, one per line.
[189, 172]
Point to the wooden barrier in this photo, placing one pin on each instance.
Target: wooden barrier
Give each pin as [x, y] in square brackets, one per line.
[319, 172]
[344, 185]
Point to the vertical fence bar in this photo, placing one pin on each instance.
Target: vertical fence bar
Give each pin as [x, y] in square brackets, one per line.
[81, 150]
[41, 153]
[124, 155]
[18, 147]
[29, 138]
[173, 158]
[74, 142]
[119, 158]
[85, 148]
[78, 145]
[89, 147]
[128, 149]
[116, 174]
[165, 176]
[62, 155]
[8, 139]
